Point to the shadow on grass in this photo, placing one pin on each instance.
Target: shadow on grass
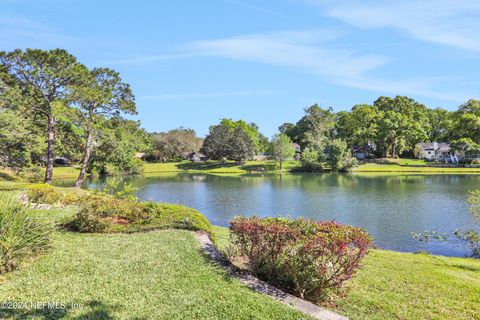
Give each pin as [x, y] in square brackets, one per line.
[7, 177]
[468, 268]
[210, 165]
[94, 309]
[205, 165]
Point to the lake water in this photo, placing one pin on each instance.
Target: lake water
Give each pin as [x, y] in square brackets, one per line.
[389, 207]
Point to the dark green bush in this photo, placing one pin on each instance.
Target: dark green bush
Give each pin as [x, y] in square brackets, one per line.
[100, 212]
[21, 234]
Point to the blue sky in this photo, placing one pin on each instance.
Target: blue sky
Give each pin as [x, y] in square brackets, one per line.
[193, 62]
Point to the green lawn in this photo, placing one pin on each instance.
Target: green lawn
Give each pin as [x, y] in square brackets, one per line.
[394, 285]
[373, 167]
[413, 166]
[154, 275]
[216, 167]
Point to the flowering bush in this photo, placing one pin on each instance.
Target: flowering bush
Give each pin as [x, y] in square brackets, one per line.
[308, 258]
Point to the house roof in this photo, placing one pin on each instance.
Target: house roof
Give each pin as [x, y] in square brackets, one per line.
[441, 146]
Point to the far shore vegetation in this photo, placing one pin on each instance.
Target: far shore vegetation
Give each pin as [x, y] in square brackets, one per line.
[90, 250]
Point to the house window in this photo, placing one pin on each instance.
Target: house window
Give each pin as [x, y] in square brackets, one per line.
[429, 152]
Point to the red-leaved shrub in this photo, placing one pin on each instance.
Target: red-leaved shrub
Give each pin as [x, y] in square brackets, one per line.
[311, 259]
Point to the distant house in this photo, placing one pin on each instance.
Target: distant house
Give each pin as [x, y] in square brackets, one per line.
[262, 156]
[297, 147]
[362, 152]
[436, 151]
[197, 157]
[139, 155]
[60, 161]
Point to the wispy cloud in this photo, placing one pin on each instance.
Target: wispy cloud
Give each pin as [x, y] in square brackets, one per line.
[151, 58]
[308, 51]
[449, 22]
[14, 28]
[209, 94]
[255, 8]
[304, 50]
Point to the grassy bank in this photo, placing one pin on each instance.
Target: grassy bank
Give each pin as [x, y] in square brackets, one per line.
[401, 166]
[424, 169]
[394, 285]
[155, 275]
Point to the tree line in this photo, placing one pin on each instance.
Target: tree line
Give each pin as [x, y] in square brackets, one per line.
[51, 104]
[390, 127]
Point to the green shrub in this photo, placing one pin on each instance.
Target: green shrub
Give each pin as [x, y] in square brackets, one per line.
[311, 259]
[21, 234]
[178, 217]
[44, 193]
[100, 212]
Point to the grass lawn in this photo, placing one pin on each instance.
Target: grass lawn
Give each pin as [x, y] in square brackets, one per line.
[394, 285]
[414, 166]
[154, 275]
[373, 167]
[215, 167]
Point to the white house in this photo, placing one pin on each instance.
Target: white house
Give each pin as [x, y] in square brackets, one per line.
[436, 151]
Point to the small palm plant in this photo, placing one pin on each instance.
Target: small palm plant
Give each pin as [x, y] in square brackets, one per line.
[21, 233]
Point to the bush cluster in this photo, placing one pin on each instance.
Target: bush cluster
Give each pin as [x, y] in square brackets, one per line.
[101, 212]
[47, 194]
[311, 259]
[21, 234]
[44, 193]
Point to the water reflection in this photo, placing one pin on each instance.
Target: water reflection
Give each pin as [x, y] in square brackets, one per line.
[389, 207]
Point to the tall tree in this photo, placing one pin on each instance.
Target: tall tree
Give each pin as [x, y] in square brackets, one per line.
[358, 127]
[467, 122]
[282, 148]
[102, 95]
[403, 122]
[251, 129]
[315, 128]
[227, 142]
[42, 78]
[242, 147]
[216, 145]
[175, 143]
[440, 124]
[117, 144]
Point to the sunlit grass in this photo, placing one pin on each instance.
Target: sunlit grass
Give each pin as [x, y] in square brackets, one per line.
[155, 275]
[373, 167]
[394, 285]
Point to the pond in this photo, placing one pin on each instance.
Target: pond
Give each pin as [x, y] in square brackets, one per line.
[390, 207]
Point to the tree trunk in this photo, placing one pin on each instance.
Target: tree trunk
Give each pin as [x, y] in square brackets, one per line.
[50, 149]
[281, 166]
[393, 150]
[86, 157]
